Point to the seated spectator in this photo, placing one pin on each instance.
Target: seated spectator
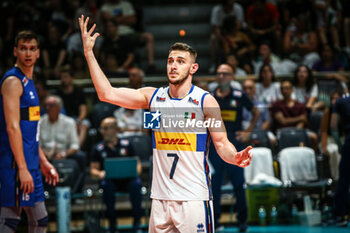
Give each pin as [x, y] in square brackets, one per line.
[262, 19]
[218, 14]
[264, 120]
[74, 42]
[305, 90]
[237, 43]
[267, 90]
[54, 53]
[121, 47]
[113, 147]
[58, 134]
[280, 66]
[78, 64]
[74, 102]
[226, 71]
[300, 42]
[329, 20]
[130, 121]
[290, 113]
[123, 14]
[293, 8]
[328, 62]
[233, 62]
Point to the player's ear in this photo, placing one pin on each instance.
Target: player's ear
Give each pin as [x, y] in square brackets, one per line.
[194, 68]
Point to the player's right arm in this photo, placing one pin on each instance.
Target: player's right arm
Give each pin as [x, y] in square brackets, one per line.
[124, 97]
[11, 91]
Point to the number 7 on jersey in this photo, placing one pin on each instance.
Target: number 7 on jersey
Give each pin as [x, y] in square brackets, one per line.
[173, 167]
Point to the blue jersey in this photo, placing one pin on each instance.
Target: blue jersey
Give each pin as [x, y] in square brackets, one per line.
[30, 116]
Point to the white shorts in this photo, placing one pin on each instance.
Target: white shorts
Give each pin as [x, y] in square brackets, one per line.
[181, 217]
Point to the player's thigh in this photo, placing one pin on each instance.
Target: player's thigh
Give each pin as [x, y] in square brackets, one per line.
[160, 221]
[195, 216]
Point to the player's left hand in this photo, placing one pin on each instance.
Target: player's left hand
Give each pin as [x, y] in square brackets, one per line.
[50, 173]
[244, 157]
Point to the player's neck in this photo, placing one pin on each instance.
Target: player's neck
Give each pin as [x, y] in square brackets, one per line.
[27, 71]
[181, 90]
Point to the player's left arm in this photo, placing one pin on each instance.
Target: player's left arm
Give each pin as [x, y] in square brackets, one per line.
[49, 171]
[223, 146]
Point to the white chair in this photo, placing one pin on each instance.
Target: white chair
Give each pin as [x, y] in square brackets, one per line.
[262, 162]
[297, 164]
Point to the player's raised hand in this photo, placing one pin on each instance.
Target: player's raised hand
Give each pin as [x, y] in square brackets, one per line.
[86, 36]
[244, 157]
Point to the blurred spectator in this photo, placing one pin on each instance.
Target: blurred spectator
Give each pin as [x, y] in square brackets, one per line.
[218, 14]
[58, 134]
[74, 101]
[54, 52]
[263, 24]
[123, 13]
[267, 90]
[305, 90]
[117, 45]
[113, 147]
[266, 56]
[346, 24]
[264, 121]
[130, 121]
[233, 62]
[237, 43]
[43, 92]
[75, 44]
[328, 62]
[224, 70]
[329, 20]
[293, 8]
[329, 146]
[288, 112]
[77, 63]
[301, 42]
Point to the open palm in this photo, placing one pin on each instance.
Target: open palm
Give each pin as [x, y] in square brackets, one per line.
[88, 40]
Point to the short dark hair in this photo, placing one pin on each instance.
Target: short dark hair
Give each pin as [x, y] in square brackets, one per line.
[184, 47]
[26, 35]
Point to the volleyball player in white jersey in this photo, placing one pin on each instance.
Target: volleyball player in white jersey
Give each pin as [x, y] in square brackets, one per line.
[181, 192]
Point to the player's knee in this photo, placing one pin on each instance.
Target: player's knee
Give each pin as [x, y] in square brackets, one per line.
[43, 222]
[12, 223]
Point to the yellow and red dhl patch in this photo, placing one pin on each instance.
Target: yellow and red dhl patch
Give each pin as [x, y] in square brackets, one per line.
[175, 141]
[34, 113]
[228, 115]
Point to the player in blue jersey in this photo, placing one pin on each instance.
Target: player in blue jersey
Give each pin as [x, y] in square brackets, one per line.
[21, 158]
[341, 198]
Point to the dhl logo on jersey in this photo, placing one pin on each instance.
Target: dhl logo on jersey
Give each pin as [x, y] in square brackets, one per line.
[34, 113]
[175, 141]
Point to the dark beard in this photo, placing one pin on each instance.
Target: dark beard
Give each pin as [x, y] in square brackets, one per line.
[180, 81]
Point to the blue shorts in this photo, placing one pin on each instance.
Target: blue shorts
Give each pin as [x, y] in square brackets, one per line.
[8, 187]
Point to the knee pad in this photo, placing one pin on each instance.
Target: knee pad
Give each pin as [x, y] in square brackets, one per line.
[43, 222]
[12, 223]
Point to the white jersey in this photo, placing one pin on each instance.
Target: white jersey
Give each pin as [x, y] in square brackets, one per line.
[180, 168]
